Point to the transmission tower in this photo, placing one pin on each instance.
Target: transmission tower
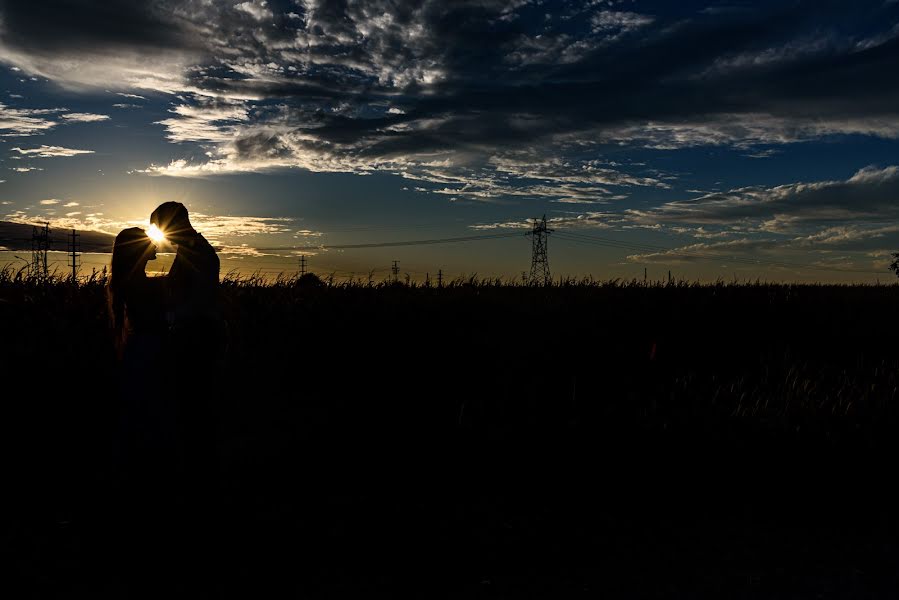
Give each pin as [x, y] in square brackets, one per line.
[395, 269]
[539, 258]
[40, 244]
[74, 254]
[302, 265]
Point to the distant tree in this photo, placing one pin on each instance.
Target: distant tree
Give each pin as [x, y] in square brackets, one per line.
[309, 280]
[894, 266]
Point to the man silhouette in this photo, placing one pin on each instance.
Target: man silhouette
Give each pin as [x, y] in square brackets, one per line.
[197, 338]
[193, 280]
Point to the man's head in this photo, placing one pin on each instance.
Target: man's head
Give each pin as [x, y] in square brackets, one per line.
[171, 218]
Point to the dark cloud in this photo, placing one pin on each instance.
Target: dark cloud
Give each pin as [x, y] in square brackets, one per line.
[429, 88]
[60, 26]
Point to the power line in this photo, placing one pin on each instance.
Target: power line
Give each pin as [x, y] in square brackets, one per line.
[75, 255]
[539, 256]
[467, 238]
[385, 227]
[40, 245]
[41, 241]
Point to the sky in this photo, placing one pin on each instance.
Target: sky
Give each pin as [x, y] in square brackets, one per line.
[711, 139]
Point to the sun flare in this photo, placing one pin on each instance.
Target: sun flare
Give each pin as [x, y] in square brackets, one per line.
[156, 234]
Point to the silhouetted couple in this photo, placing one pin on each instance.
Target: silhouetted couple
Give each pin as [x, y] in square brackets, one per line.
[170, 337]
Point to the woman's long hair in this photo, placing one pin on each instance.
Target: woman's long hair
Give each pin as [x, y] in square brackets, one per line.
[128, 257]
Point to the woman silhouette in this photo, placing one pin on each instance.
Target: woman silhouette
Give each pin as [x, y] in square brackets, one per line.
[147, 464]
[148, 438]
[135, 300]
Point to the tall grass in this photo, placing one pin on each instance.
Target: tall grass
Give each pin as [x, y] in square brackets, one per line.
[485, 352]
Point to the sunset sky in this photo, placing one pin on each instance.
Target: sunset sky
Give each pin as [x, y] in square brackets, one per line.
[747, 139]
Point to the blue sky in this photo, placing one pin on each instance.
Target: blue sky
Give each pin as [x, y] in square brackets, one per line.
[748, 139]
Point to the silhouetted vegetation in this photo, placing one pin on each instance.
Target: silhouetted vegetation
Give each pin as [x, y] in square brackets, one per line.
[650, 439]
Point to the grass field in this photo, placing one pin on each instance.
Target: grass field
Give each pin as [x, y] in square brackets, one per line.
[484, 440]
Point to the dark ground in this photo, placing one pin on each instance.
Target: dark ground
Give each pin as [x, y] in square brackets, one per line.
[476, 441]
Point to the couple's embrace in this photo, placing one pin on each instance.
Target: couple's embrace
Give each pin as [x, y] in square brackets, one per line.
[169, 334]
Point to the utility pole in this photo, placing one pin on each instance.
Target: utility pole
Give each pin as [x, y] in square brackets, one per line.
[395, 269]
[74, 255]
[40, 244]
[539, 257]
[440, 278]
[302, 265]
[427, 280]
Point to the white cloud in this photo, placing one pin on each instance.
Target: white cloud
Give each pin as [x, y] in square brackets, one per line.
[84, 117]
[741, 251]
[24, 121]
[617, 23]
[50, 151]
[20, 122]
[746, 131]
[207, 121]
[258, 9]
[793, 50]
[241, 251]
[219, 227]
[49, 202]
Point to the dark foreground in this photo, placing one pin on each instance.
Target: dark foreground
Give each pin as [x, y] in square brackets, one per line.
[475, 441]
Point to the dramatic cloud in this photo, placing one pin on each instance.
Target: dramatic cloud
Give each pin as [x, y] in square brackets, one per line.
[50, 151]
[847, 224]
[868, 196]
[439, 92]
[496, 101]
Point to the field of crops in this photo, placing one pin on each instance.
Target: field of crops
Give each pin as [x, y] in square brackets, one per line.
[483, 439]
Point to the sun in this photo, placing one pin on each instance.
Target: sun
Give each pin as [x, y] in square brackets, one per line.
[156, 234]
